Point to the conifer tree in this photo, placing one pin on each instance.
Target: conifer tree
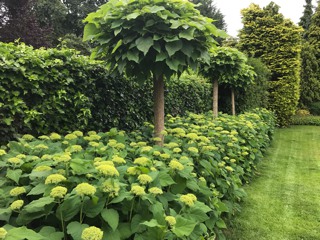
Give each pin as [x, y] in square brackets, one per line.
[305, 20]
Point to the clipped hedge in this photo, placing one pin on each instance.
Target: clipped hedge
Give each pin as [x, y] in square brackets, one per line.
[306, 120]
[122, 186]
[43, 91]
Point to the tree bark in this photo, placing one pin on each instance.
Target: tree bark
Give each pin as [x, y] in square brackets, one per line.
[215, 98]
[233, 104]
[158, 108]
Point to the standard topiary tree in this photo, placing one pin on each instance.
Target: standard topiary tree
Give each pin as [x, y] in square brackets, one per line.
[151, 38]
[228, 66]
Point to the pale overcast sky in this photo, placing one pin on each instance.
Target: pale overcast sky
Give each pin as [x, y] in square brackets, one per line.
[292, 9]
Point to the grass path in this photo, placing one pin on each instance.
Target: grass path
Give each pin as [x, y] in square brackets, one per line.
[283, 203]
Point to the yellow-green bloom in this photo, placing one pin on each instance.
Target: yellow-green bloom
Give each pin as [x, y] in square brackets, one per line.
[155, 190]
[70, 136]
[137, 190]
[233, 160]
[55, 136]
[15, 160]
[193, 150]
[62, 157]
[118, 159]
[111, 187]
[142, 161]
[107, 170]
[120, 146]
[55, 178]
[16, 205]
[144, 179]
[202, 179]
[90, 133]
[156, 139]
[46, 157]
[188, 199]
[94, 144]
[171, 145]
[245, 154]
[99, 163]
[78, 133]
[27, 137]
[228, 168]
[156, 153]
[85, 189]
[133, 171]
[171, 220]
[17, 191]
[2, 152]
[3, 233]
[44, 137]
[75, 148]
[58, 192]
[41, 146]
[42, 168]
[192, 136]
[175, 165]
[177, 150]
[165, 156]
[92, 233]
[141, 144]
[146, 149]
[112, 143]
[21, 156]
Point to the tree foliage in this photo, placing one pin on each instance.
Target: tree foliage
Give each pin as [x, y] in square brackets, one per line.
[277, 41]
[305, 20]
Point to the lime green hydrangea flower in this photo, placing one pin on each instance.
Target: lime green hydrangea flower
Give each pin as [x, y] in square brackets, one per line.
[188, 199]
[16, 205]
[78, 133]
[58, 192]
[62, 157]
[118, 159]
[120, 146]
[137, 190]
[111, 187]
[171, 145]
[92, 233]
[142, 161]
[133, 171]
[75, 148]
[228, 168]
[21, 156]
[171, 220]
[107, 170]
[165, 156]
[42, 169]
[2, 152]
[156, 153]
[17, 191]
[112, 143]
[46, 157]
[176, 165]
[177, 150]
[55, 179]
[192, 136]
[90, 133]
[144, 179]
[27, 137]
[193, 149]
[156, 139]
[233, 160]
[146, 149]
[85, 189]
[155, 191]
[41, 146]
[44, 137]
[70, 136]
[202, 179]
[94, 144]
[55, 136]
[110, 163]
[15, 161]
[141, 144]
[3, 233]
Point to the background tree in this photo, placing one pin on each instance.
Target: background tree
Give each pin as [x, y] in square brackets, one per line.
[305, 20]
[151, 39]
[277, 41]
[227, 66]
[209, 9]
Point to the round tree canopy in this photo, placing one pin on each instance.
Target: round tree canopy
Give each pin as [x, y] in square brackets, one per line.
[144, 37]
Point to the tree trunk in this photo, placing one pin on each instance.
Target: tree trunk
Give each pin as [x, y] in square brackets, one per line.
[158, 108]
[215, 98]
[233, 104]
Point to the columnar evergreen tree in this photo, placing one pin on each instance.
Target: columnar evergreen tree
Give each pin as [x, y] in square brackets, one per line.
[305, 20]
[277, 41]
[151, 38]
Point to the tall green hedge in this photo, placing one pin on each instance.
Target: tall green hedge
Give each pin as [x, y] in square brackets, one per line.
[43, 91]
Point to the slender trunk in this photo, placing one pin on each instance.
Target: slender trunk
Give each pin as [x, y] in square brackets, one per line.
[233, 104]
[215, 98]
[158, 108]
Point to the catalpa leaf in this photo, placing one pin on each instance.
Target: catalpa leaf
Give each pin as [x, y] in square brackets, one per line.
[173, 47]
[90, 30]
[144, 44]
[187, 34]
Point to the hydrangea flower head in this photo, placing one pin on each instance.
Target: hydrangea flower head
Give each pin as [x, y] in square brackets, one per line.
[3, 233]
[142, 161]
[55, 136]
[85, 189]
[144, 179]
[107, 170]
[176, 165]
[155, 190]
[92, 233]
[137, 190]
[188, 199]
[58, 192]
[55, 178]
[27, 137]
[16, 205]
[171, 220]
[17, 191]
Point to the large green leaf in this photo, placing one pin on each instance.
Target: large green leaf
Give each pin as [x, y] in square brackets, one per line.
[90, 30]
[183, 227]
[111, 216]
[69, 208]
[5, 214]
[152, 223]
[50, 233]
[38, 205]
[165, 179]
[173, 47]
[38, 189]
[187, 34]
[75, 229]
[144, 44]
[14, 174]
[23, 233]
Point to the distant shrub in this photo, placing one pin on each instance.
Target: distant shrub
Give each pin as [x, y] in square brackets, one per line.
[306, 120]
[302, 112]
[315, 108]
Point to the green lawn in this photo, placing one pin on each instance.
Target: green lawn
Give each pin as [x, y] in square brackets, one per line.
[284, 201]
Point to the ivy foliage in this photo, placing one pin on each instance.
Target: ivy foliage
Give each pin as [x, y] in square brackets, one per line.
[277, 41]
[44, 91]
[158, 36]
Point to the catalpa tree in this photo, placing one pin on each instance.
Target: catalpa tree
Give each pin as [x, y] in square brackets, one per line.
[151, 39]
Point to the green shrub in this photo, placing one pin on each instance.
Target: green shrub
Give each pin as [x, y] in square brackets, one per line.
[315, 108]
[125, 185]
[44, 91]
[306, 120]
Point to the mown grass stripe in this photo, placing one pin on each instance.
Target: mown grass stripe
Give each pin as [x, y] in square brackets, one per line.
[284, 201]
